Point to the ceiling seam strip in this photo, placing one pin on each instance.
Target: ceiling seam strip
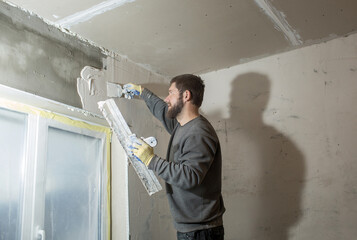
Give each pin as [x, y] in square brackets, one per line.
[280, 22]
[89, 13]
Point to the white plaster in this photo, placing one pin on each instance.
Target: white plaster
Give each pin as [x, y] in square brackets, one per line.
[12, 4]
[279, 19]
[91, 74]
[87, 14]
[91, 87]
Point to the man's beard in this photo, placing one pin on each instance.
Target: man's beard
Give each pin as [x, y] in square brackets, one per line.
[175, 110]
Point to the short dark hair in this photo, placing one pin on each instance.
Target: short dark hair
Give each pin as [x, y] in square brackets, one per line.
[192, 83]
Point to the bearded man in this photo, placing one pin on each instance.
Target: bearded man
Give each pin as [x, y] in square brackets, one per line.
[192, 170]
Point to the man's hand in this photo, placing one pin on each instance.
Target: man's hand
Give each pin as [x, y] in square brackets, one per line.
[142, 151]
[130, 90]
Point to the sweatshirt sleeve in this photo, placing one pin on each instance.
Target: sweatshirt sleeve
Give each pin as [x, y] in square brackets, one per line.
[194, 161]
[158, 108]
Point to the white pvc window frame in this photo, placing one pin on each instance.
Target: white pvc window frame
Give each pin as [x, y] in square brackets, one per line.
[38, 123]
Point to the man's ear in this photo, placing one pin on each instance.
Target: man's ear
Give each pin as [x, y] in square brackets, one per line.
[187, 96]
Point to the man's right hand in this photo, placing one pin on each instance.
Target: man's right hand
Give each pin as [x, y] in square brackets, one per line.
[130, 90]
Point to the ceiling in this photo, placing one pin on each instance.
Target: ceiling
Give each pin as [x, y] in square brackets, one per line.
[195, 36]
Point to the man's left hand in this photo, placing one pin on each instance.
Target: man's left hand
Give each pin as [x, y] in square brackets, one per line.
[142, 151]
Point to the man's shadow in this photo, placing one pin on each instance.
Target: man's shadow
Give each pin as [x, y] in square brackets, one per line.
[263, 170]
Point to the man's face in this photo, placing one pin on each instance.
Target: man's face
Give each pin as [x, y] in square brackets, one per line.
[174, 102]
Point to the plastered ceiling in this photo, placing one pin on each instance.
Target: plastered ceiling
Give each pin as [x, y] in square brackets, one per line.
[195, 36]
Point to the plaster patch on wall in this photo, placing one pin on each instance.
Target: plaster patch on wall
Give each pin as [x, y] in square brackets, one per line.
[279, 19]
[91, 86]
[87, 14]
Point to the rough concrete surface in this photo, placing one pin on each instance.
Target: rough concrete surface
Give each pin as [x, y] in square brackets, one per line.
[47, 66]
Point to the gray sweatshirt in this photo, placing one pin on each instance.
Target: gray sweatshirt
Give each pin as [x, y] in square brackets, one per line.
[192, 169]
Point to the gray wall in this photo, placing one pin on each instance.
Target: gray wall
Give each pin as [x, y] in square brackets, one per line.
[40, 59]
[288, 125]
[149, 216]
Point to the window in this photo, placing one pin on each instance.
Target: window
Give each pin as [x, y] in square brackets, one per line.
[54, 176]
[13, 128]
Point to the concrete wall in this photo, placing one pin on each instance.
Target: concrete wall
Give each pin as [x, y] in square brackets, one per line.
[39, 58]
[149, 216]
[288, 125]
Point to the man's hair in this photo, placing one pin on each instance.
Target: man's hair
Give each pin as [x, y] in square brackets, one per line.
[192, 83]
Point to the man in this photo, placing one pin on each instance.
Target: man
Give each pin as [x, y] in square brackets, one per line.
[192, 169]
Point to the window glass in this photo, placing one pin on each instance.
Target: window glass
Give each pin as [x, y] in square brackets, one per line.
[72, 192]
[12, 147]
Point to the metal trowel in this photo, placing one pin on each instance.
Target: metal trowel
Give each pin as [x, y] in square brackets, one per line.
[114, 90]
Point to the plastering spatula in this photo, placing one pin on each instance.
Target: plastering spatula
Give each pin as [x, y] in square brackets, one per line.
[114, 90]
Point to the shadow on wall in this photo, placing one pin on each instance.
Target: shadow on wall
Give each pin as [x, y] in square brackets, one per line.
[263, 170]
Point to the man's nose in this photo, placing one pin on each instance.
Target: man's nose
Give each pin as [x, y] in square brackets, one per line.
[167, 99]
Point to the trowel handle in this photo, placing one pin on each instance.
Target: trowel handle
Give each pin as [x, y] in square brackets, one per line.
[151, 141]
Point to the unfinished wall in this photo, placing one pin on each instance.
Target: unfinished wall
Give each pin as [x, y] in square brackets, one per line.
[287, 126]
[38, 58]
[41, 59]
[149, 215]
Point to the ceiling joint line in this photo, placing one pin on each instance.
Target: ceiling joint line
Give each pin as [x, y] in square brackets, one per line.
[89, 13]
[279, 19]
